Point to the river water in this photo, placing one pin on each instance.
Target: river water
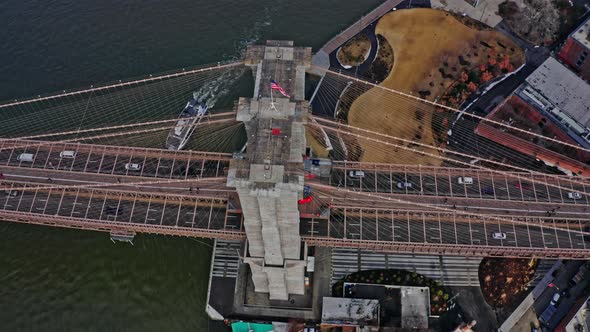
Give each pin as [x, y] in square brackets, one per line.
[71, 280]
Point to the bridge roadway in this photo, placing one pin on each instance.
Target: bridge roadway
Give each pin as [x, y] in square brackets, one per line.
[547, 190]
[105, 159]
[109, 198]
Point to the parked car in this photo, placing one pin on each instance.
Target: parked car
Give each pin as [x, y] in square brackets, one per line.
[555, 299]
[547, 314]
[404, 185]
[133, 167]
[579, 276]
[574, 195]
[465, 180]
[356, 174]
[499, 235]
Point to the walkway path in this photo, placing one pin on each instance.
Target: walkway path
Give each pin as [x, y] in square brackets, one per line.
[322, 59]
[450, 271]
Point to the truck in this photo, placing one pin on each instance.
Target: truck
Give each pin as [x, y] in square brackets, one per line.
[579, 276]
[546, 316]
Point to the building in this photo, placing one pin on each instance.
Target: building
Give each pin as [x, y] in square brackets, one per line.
[576, 49]
[555, 90]
[360, 314]
[554, 103]
[579, 319]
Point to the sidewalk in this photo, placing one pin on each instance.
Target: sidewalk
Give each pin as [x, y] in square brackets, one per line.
[527, 303]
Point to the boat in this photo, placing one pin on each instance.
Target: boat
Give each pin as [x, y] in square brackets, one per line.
[186, 124]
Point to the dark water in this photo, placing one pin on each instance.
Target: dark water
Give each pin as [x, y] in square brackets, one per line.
[67, 280]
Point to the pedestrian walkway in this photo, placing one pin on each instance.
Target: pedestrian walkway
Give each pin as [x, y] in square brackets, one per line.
[226, 258]
[322, 57]
[528, 302]
[449, 270]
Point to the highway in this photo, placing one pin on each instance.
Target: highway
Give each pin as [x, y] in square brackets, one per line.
[186, 193]
[102, 159]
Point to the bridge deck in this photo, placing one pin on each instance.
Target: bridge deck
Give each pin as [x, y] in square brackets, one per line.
[444, 182]
[104, 159]
[435, 232]
[196, 215]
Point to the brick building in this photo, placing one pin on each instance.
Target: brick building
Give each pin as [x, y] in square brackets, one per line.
[576, 50]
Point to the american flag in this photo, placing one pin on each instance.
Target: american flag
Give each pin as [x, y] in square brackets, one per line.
[275, 86]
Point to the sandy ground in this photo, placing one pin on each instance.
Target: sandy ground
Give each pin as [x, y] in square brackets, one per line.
[422, 40]
[524, 324]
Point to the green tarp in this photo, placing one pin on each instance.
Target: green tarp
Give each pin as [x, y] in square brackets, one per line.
[247, 327]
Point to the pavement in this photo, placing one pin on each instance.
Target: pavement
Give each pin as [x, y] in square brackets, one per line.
[447, 270]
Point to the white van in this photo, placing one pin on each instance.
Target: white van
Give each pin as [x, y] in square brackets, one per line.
[574, 195]
[356, 174]
[465, 180]
[27, 157]
[67, 154]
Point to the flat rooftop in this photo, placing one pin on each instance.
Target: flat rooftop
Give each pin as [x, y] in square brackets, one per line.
[353, 312]
[563, 89]
[582, 34]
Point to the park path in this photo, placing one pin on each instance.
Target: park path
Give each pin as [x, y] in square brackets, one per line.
[322, 57]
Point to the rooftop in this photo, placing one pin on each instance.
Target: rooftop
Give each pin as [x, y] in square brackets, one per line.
[563, 89]
[582, 34]
[352, 312]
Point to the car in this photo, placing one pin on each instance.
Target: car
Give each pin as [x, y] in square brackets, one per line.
[547, 314]
[67, 154]
[499, 235]
[579, 276]
[113, 210]
[356, 174]
[555, 299]
[404, 185]
[27, 157]
[11, 193]
[133, 167]
[487, 191]
[465, 180]
[574, 195]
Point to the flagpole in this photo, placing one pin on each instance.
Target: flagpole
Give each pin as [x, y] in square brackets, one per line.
[272, 103]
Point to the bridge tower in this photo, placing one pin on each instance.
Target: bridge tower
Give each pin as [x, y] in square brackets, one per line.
[269, 180]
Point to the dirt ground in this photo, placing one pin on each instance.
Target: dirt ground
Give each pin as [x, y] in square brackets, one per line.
[426, 59]
[354, 51]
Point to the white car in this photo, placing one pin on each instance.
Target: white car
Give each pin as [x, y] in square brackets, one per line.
[132, 167]
[574, 195]
[465, 180]
[499, 235]
[67, 154]
[28, 157]
[404, 185]
[356, 174]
